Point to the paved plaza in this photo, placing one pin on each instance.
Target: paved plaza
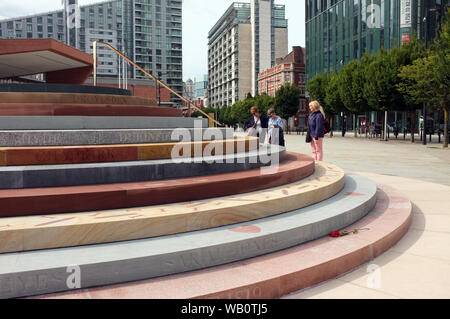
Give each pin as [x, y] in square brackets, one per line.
[418, 266]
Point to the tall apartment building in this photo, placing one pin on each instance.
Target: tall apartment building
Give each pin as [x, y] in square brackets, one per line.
[246, 39]
[338, 31]
[148, 31]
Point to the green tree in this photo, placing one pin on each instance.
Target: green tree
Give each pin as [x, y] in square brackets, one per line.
[333, 100]
[316, 87]
[402, 56]
[240, 111]
[427, 80]
[264, 103]
[287, 101]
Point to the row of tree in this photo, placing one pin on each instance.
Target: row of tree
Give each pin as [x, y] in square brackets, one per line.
[401, 79]
[285, 103]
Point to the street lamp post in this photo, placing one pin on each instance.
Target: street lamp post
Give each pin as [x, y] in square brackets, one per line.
[426, 22]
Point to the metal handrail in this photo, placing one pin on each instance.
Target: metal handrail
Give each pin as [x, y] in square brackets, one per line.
[146, 73]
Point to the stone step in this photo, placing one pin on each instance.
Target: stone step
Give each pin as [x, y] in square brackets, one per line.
[61, 88]
[121, 262]
[74, 98]
[15, 156]
[97, 122]
[65, 230]
[265, 277]
[52, 109]
[35, 201]
[107, 137]
[36, 176]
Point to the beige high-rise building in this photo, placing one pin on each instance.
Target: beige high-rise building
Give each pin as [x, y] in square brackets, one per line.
[249, 37]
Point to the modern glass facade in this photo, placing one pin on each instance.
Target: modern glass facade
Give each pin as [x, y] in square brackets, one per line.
[148, 31]
[338, 31]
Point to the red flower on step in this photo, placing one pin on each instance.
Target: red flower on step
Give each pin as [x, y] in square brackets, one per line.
[338, 233]
[334, 234]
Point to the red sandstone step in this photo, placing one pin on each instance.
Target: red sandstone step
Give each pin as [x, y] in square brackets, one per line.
[277, 274]
[73, 98]
[54, 109]
[24, 202]
[55, 155]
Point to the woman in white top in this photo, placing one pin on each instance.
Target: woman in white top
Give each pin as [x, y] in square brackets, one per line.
[276, 128]
[258, 124]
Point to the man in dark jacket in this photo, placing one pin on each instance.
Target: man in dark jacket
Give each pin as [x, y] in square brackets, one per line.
[259, 123]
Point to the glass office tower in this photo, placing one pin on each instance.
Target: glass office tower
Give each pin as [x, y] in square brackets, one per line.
[338, 31]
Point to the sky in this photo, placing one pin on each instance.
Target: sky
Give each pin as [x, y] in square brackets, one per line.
[199, 16]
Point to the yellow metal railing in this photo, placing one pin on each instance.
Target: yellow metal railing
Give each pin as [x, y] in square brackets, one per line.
[146, 73]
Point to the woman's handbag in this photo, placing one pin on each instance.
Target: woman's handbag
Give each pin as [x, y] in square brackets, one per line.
[252, 131]
[308, 137]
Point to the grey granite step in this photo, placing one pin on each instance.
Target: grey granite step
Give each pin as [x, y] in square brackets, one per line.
[15, 177]
[105, 136]
[96, 122]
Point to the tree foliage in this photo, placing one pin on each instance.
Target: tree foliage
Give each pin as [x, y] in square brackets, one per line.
[287, 101]
[317, 86]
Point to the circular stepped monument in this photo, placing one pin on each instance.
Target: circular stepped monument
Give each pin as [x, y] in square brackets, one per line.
[136, 201]
[130, 216]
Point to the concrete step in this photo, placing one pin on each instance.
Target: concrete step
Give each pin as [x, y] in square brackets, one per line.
[44, 201]
[64, 230]
[73, 98]
[53, 109]
[36, 176]
[97, 122]
[107, 136]
[269, 276]
[15, 156]
[140, 259]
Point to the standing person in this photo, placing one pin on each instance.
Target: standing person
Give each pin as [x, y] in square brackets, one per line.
[316, 129]
[372, 130]
[257, 124]
[276, 128]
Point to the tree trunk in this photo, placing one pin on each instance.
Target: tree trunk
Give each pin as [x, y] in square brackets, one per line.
[413, 125]
[445, 127]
